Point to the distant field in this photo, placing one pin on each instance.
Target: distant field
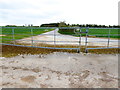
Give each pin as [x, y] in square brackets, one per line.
[19, 33]
[114, 33]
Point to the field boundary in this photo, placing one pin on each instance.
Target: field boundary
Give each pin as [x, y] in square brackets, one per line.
[77, 31]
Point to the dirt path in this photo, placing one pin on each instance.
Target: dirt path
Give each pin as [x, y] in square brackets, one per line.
[60, 70]
[71, 40]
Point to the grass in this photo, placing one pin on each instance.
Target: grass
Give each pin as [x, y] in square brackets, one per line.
[20, 33]
[114, 33]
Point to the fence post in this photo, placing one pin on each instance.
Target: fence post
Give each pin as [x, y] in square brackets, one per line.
[54, 38]
[32, 43]
[108, 38]
[80, 40]
[13, 35]
[86, 41]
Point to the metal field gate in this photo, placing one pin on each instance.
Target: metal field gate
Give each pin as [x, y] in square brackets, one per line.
[50, 37]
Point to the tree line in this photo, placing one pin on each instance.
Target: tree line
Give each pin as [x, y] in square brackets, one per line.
[63, 24]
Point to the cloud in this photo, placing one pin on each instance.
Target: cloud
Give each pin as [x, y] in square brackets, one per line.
[45, 11]
[26, 11]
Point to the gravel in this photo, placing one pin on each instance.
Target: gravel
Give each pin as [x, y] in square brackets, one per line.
[60, 70]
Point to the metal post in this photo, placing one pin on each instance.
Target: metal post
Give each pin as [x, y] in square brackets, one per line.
[54, 38]
[32, 43]
[80, 41]
[13, 35]
[86, 41]
[108, 38]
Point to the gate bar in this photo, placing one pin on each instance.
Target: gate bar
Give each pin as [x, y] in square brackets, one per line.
[13, 37]
[41, 47]
[80, 41]
[32, 43]
[108, 38]
[86, 40]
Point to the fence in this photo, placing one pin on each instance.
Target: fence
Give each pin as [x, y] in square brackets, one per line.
[49, 38]
[109, 33]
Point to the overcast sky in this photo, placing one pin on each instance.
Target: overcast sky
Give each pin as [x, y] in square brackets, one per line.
[36, 12]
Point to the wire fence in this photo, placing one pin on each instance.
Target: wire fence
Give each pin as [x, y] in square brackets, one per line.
[70, 37]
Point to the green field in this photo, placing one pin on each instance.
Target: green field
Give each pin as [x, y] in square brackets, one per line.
[19, 33]
[114, 33]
